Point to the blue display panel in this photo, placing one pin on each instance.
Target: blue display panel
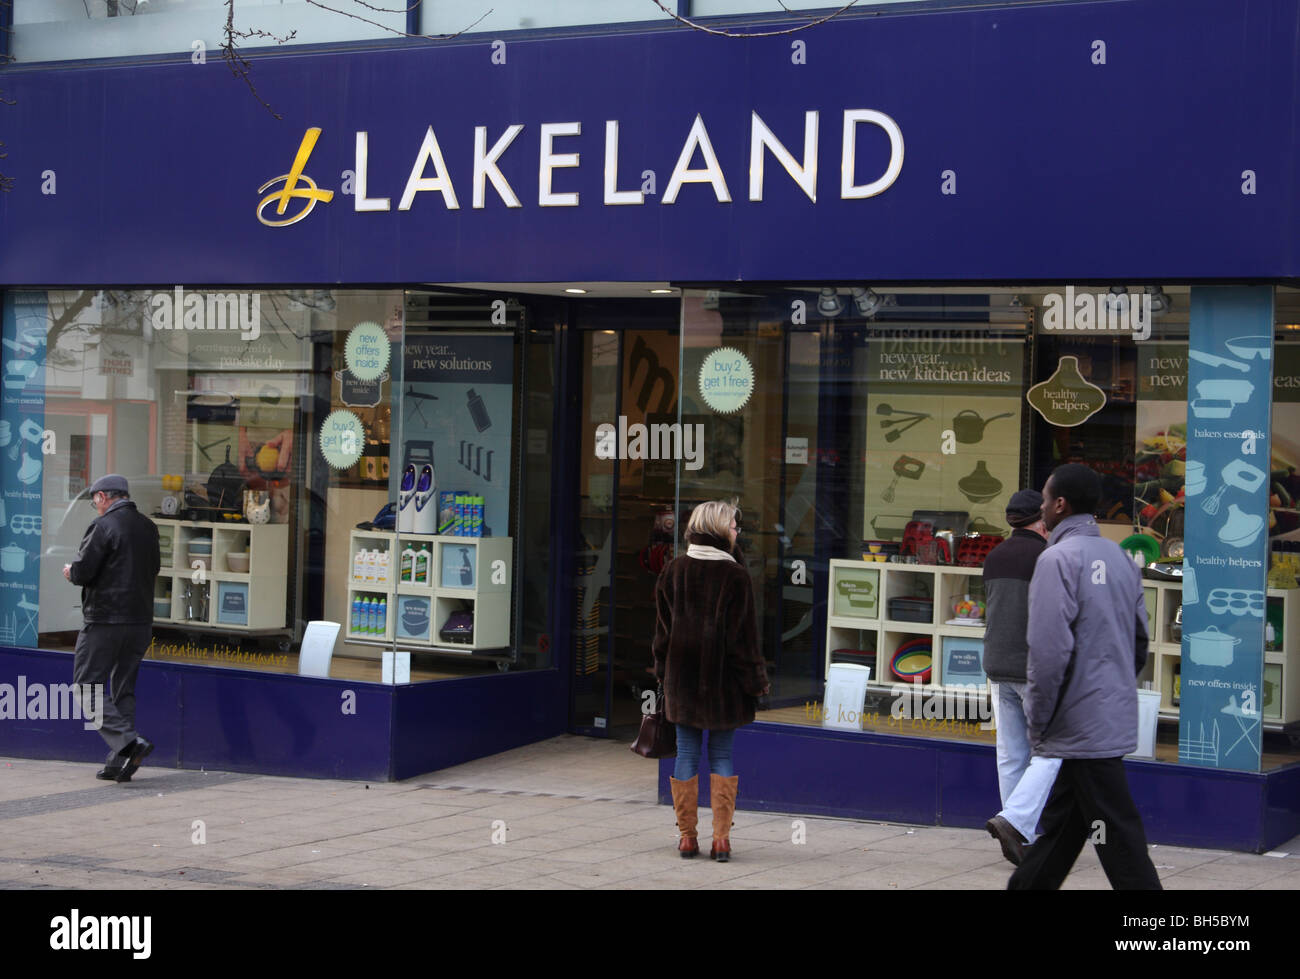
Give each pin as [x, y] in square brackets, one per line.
[1225, 566]
[24, 445]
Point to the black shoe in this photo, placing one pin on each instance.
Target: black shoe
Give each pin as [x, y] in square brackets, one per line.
[134, 754]
[1013, 844]
[109, 773]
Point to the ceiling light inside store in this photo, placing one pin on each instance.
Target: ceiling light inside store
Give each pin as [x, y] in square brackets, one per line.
[661, 292]
[576, 292]
[1117, 300]
[828, 303]
[1160, 301]
[867, 301]
[1016, 302]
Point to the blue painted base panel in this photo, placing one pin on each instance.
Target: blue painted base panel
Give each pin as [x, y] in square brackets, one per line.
[928, 781]
[274, 724]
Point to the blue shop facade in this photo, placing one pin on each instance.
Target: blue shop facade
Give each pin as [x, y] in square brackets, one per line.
[544, 284]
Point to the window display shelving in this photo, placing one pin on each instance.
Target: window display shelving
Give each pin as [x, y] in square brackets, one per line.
[425, 581]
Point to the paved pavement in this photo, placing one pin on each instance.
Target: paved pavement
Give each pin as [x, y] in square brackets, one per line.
[566, 813]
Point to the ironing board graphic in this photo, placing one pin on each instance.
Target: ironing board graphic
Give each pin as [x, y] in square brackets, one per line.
[1248, 723]
[1201, 750]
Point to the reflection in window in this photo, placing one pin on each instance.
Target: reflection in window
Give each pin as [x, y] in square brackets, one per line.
[61, 30]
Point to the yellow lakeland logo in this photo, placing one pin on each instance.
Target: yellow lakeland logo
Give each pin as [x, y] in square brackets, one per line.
[308, 192]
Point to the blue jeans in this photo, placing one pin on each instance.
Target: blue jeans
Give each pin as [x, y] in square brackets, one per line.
[1024, 780]
[689, 741]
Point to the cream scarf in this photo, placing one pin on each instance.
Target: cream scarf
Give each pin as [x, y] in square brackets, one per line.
[706, 553]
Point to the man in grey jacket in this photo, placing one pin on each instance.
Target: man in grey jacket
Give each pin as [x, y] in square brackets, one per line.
[1087, 644]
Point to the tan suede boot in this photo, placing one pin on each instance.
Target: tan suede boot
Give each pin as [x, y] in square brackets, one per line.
[723, 799]
[686, 797]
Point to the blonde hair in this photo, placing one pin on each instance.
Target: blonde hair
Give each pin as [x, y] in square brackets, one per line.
[713, 518]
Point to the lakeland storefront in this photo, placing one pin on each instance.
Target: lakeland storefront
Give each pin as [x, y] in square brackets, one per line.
[575, 284]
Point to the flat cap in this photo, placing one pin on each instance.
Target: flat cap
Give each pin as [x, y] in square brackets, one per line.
[112, 483]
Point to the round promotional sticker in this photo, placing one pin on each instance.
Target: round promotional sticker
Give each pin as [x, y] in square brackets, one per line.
[726, 380]
[342, 439]
[367, 351]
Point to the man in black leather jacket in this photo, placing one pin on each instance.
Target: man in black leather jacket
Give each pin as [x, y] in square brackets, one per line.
[116, 566]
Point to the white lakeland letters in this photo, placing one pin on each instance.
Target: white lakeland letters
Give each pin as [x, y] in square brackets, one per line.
[553, 136]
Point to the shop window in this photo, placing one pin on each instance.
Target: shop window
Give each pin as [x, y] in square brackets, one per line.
[267, 434]
[887, 429]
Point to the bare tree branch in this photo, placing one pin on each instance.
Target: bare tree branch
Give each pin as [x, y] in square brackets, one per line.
[241, 67]
[725, 33]
[394, 31]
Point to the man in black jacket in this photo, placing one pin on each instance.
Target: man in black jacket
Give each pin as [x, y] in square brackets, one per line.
[1023, 782]
[116, 566]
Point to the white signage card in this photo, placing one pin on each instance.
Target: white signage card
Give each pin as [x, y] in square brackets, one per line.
[796, 452]
[846, 694]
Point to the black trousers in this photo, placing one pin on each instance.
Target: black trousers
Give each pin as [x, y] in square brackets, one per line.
[1090, 800]
[113, 653]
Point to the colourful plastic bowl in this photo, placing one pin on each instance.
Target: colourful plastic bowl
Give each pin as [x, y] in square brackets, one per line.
[914, 660]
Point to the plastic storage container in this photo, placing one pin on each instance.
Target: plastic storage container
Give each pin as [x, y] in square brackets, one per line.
[911, 609]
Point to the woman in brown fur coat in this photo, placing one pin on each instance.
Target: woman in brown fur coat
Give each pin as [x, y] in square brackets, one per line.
[707, 657]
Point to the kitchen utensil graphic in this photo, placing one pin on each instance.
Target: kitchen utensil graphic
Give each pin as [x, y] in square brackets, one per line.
[888, 409]
[1194, 480]
[30, 471]
[1248, 348]
[904, 467]
[1225, 389]
[1210, 647]
[903, 425]
[979, 485]
[968, 426]
[1243, 475]
[28, 431]
[1235, 601]
[1211, 506]
[1241, 528]
[25, 523]
[3, 518]
[19, 373]
[1212, 408]
[1190, 593]
[1214, 361]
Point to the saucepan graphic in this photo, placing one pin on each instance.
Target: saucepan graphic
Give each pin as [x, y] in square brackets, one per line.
[13, 559]
[968, 425]
[1210, 647]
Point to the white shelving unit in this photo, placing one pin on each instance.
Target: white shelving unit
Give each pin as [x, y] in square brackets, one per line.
[464, 574]
[1280, 703]
[237, 601]
[858, 618]
[868, 609]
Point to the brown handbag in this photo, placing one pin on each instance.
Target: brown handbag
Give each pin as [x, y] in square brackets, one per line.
[658, 735]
